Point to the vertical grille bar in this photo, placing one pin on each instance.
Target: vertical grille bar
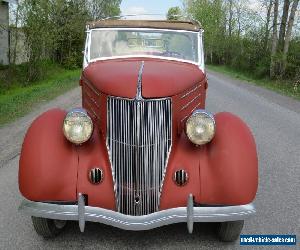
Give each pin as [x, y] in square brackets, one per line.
[139, 142]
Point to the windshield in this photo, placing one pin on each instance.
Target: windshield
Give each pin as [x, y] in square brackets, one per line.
[182, 45]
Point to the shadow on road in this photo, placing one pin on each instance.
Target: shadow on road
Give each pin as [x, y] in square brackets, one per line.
[167, 237]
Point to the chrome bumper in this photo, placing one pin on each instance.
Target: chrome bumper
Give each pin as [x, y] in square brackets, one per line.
[189, 214]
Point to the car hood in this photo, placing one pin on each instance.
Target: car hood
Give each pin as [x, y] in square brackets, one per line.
[159, 78]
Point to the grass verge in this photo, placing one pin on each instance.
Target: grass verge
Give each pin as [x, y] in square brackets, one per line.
[280, 86]
[18, 101]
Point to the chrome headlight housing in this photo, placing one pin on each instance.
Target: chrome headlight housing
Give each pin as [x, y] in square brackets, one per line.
[77, 126]
[200, 127]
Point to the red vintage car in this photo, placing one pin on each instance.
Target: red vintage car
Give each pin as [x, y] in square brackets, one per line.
[142, 152]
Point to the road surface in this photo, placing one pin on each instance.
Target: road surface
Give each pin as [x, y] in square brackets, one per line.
[275, 122]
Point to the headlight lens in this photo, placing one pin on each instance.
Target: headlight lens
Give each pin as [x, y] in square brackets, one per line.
[78, 126]
[200, 127]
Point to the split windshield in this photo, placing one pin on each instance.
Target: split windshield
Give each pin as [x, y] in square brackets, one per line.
[182, 45]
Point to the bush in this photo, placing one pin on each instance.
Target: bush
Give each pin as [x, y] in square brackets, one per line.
[14, 76]
[262, 68]
[73, 61]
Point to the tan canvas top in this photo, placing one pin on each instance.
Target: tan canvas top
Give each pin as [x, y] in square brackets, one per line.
[156, 24]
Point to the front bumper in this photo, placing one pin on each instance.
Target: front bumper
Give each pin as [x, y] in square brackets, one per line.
[189, 214]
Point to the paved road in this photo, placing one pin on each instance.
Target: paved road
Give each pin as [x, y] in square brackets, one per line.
[275, 122]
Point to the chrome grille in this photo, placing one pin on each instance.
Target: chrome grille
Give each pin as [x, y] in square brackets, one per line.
[139, 141]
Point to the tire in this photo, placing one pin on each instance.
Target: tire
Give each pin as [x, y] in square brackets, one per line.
[48, 228]
[230, 230]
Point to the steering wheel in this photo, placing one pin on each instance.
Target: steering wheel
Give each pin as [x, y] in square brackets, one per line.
[173, 54]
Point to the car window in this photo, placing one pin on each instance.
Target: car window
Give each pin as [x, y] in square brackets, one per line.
[169, 44]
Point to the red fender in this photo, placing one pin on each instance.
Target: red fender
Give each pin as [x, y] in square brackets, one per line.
[48, 162]
[229, 165]
[184, 155]
[222, 172]
[93, 154]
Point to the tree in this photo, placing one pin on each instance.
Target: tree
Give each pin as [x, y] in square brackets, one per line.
[16, 33]
[54, 30]
[273, 72]
[279, 54]
[285, 13]
[267, 25]
[212, 17]
[174, 13]
[230, 21]
[102, 8]
[289, 33]
[237, 35]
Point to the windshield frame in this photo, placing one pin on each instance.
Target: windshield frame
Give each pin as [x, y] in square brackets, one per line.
[199, 46]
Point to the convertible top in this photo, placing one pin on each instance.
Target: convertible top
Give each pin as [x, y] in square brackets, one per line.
[156, 24]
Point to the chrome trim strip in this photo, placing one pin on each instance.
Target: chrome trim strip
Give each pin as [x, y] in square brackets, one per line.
[92, 99]
[191, 91]
[91, 109]
[138, 96]
[144, 222]
[90, 86]
[190, 102]
[187, 116]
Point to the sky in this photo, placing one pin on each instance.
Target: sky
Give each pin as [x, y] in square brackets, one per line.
[161, 6]
[148, 7]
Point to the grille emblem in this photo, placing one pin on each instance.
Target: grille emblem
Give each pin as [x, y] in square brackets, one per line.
[96, 175]
[181, 177]
[137, 200]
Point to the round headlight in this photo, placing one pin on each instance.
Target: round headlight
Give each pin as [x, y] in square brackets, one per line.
[200, 127]
[78, 126]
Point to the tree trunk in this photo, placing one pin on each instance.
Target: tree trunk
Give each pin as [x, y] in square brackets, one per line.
[289, 34]
[230, 17]
[239, 6]
[267, 30]
[16, 35]
[285, 13]
[274, 41]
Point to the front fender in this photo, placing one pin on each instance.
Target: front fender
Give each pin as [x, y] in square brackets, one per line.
[48, 162]
[229, 165]
[222, 172]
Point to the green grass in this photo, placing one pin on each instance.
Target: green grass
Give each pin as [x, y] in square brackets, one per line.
[283, 87]
[18, 101]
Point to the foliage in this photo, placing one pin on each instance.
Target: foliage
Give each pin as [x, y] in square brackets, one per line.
[54, 30]
[15, 76]
[19, 100]
[212, 17]
[279, 86]
[54, 33]
[239, 37]
[99, 9]
[174, 13]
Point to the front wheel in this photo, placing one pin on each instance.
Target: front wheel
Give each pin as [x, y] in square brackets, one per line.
[48, 228]
[230, 230]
